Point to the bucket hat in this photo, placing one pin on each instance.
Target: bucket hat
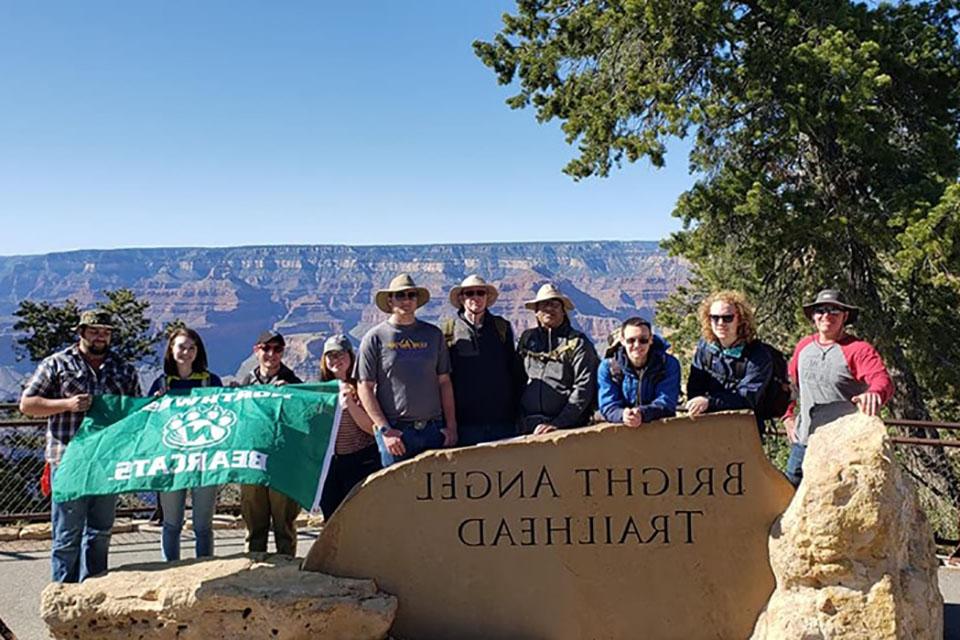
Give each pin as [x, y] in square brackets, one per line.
[835, 298]
[95, 318]
[473, 281]
[403, 282]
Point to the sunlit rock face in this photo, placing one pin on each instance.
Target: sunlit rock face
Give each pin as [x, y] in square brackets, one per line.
[234, 597]
[853, 555]
[603, 532]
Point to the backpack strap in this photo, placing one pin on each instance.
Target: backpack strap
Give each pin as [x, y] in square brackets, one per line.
[616, 371]
[503, 328]
[447, 328]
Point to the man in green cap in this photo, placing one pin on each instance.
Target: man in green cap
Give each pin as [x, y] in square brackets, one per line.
[61, 390]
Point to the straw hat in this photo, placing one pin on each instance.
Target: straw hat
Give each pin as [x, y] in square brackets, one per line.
[403, 282]
[473, 281]
[549, 292]
[834, 298]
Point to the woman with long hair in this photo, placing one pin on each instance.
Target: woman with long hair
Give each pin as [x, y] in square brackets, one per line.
[731, 368]
[355, 451]
[184, 368]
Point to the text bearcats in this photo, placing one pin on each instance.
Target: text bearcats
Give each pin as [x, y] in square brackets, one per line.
[568, 530]
[629, 481]
[186, 462]
[179, 402]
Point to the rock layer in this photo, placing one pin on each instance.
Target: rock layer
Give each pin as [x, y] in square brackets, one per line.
[853, 555]
[235, 597]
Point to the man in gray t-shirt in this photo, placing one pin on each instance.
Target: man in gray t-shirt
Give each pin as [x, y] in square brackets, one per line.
[403, 369]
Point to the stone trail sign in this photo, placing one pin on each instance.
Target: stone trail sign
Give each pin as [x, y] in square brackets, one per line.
[601, 532]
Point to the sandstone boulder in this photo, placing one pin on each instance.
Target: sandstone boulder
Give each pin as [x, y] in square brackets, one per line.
[853, 555]
[8, 534]
[235, 597]
[602, 532]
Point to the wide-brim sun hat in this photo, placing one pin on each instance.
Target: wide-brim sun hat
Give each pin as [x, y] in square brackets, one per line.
[549, 292]
[403, 282]
[834, 298]
[473, 281]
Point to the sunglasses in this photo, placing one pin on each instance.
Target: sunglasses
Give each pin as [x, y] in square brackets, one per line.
[267, 348]
[474, 293]
[549, 304]
[726, 318]
[640, 340]
[404, 295]
[827, 311]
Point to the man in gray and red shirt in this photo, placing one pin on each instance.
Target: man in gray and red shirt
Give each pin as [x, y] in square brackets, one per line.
[836, 374]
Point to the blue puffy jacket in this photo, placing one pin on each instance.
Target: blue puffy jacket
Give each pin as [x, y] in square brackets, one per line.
[658, 384]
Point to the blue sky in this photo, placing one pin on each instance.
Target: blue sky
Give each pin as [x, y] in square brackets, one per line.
[215, 123]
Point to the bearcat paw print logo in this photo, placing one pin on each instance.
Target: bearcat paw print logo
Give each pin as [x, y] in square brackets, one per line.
[199, 428]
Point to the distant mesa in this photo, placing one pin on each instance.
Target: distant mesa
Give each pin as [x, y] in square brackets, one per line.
[309, 292]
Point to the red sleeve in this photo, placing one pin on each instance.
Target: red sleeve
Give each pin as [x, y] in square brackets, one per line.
[866, 364]
[793, 372]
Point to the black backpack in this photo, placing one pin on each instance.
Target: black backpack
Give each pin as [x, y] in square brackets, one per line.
[779, 392]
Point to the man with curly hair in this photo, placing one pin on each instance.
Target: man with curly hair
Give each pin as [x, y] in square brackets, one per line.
[731, 368]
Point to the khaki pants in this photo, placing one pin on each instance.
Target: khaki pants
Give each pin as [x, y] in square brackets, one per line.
[258, 505]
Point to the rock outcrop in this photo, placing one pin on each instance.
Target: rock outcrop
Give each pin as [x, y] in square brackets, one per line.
[853, 555]
[235, 597]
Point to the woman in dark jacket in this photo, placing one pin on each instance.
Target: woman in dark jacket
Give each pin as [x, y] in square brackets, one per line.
[731, 368]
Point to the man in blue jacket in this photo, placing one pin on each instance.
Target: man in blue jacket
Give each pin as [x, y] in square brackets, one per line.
[639, 381]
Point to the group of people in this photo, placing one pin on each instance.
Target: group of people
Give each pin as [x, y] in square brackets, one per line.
[412, 386]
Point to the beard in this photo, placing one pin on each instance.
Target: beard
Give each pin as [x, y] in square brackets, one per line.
[96, 348]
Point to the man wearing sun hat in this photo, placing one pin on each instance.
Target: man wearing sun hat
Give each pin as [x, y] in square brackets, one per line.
[487, 374]
[61, 390]
[836, 373]
[403, 370]
[561, 367]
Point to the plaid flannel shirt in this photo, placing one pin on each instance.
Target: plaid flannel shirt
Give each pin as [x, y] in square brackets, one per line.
[66, 374]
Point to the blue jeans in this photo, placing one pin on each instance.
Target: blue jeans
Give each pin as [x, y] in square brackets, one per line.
[173, 503]
[81, 535]
[795, 463]
[415, 441]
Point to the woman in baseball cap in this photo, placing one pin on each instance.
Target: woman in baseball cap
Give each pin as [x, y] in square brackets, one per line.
[355, 450]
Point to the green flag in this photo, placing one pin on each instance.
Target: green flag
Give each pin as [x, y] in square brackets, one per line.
[277, 436]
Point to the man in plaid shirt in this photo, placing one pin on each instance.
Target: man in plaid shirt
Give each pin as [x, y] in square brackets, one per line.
[61, 390]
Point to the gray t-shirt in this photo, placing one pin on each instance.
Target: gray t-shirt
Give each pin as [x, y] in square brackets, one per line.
[405, 361]
[826, 386]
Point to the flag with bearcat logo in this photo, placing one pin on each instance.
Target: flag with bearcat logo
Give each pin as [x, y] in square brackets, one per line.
[280, 436]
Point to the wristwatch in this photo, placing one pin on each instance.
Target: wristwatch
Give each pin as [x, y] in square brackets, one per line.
[382, 429]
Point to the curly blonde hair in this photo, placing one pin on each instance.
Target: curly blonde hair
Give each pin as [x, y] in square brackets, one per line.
[747, 328]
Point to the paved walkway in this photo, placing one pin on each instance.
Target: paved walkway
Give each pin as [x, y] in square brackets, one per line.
[25, 571]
